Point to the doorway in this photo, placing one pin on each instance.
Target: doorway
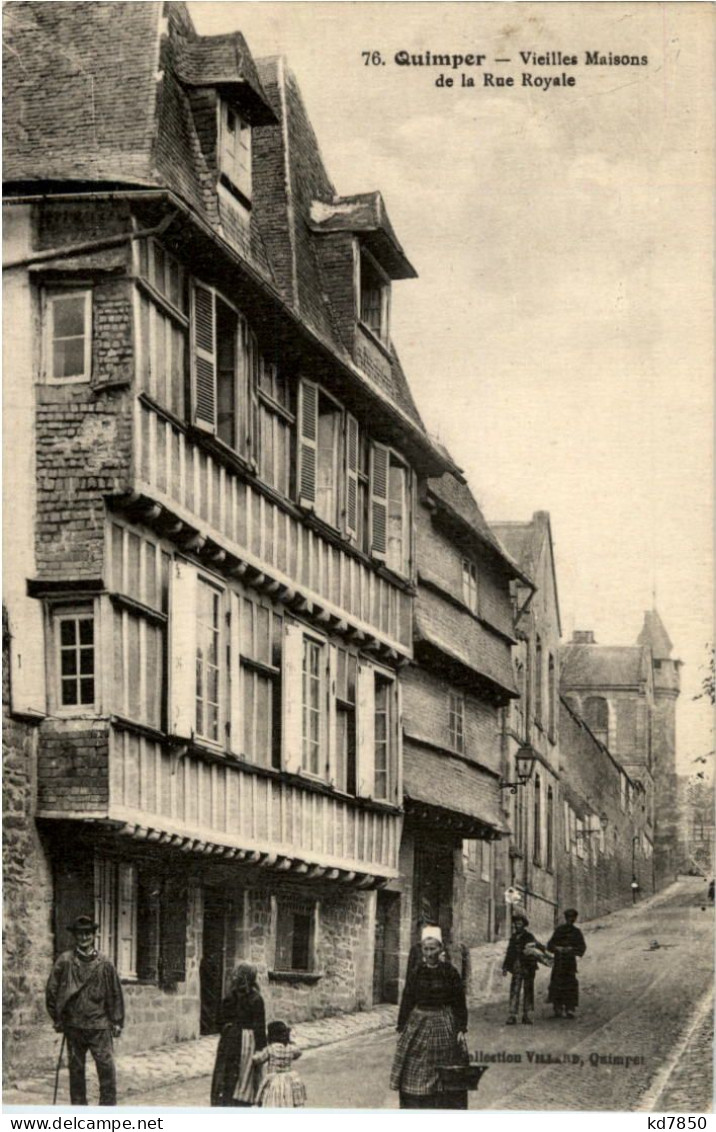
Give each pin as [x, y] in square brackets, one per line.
[433, 888]
[386, 953]
[213, 967]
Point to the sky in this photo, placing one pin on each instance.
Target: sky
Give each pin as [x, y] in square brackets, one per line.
[559, 337]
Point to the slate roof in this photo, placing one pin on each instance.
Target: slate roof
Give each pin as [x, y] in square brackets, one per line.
[79, 91]
[365, 213]
[655, 636]
[225, 61]
[520, 542]
[455, 495]
[585, 666]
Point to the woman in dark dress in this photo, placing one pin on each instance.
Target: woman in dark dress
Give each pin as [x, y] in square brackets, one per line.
[567, 945]
[432, 1023]
[243, 1033]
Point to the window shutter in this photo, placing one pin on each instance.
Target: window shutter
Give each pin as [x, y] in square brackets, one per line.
[235, 691]
[182, 635]
[351, 476]
[366, 731]
[292, 697]
[104, 905]
[308, 442]
[203, 358]
[251, 355]
[173, 921]
[332, 751]
[398, 776]
[27, 658]
[127, 919]
[379, 463]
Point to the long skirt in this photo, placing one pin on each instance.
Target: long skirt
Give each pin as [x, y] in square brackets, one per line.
[428, 1041]
[282, 1090]
[233, 1081]
[564, 985]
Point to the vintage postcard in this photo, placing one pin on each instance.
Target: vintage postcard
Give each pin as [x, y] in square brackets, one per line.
[357, 608]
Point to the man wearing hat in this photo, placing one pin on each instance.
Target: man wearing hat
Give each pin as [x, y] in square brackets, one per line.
[84, 1000]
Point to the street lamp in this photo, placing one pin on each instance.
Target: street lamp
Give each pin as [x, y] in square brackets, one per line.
[525, 760]
[634, 881]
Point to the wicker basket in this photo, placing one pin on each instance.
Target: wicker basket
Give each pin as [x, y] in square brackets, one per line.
[455, 1078]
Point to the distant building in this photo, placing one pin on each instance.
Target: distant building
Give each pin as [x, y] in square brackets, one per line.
[627, 695]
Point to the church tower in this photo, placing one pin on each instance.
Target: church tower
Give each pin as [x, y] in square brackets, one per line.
[667, 684]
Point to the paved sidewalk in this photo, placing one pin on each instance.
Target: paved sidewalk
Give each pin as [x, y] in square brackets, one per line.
[183, 1061]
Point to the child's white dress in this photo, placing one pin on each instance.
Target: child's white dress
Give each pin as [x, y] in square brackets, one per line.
[282, 1087]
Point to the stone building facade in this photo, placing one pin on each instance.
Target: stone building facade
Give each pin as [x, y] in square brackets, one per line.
[213, 463]
[528, 862]
[601, 842]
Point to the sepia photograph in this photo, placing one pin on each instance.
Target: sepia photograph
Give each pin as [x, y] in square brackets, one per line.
[358, 666]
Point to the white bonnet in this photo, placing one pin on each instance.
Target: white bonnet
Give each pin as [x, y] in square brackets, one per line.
[431, 931]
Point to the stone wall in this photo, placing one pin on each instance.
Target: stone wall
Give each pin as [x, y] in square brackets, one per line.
[27, 897]
[597, 879]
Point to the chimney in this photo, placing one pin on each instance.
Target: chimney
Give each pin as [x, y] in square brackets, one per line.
[583, 637]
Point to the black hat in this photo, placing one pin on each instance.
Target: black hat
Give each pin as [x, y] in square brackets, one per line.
[83, 924]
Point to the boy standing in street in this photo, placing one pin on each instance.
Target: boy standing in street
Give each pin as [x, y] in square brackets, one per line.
[522, 968]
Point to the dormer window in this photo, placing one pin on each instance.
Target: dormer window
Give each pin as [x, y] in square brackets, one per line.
[235, 152]
[374, 297]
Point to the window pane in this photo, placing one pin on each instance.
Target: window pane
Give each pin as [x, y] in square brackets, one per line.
[69, 662]
[301, 957]
[87, 661]
[69, 692]
[86, 631]
[87, 691]
[69, 317]
[69, 357]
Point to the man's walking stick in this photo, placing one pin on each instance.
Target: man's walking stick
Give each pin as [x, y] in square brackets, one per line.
[57, 1071]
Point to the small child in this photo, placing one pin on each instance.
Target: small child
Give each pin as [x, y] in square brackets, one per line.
[282, 1087]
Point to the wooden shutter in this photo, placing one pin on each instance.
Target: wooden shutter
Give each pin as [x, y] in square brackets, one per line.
[398, 730]
[332, 751]
[172, 929]
[27, 658]
[352, 441]
[235, 693]
[254, 420]
[203, 357]
[182, 637]
[379, 467]
[365, 775]
[308, 442]
[127, 919]
[292, 689]
[105, 905]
